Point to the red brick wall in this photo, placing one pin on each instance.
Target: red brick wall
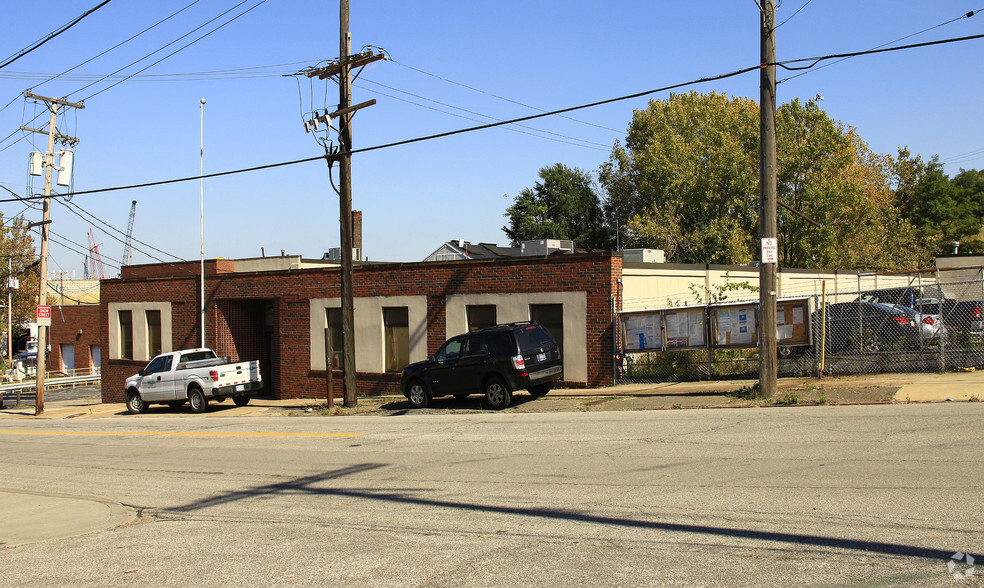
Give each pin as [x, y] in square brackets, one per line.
[76, 325]
[289, 293]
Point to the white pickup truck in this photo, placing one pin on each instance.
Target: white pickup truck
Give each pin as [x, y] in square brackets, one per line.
[192, 375]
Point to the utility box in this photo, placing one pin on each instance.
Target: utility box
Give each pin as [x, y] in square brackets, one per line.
[65, 160]
[335, 254]
[37, 163]
[644, 255]
[545, 247]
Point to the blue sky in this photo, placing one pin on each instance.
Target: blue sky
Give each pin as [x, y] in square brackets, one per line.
[454, 65]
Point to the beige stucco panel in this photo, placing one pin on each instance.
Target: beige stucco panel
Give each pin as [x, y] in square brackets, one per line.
[369, 329]
[141, 347]
[510, 308]
[665, 285]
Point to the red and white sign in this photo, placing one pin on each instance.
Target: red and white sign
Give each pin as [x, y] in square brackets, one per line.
[44, 316]
[770, 250]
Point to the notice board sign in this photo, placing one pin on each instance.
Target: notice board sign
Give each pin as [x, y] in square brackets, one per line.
[734, 326]
[642, 331]
[792, 322]
[684, 328]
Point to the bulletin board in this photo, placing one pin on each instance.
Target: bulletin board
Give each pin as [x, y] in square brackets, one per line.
[734, 326]
[642, 331]
[793, 321]
[684, 328]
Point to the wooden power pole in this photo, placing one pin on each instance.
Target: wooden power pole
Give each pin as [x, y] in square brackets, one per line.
[345, 206]
[768, 362]
[54, 105]
[343, 69]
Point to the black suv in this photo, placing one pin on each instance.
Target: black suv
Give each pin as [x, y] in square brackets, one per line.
[494, 361]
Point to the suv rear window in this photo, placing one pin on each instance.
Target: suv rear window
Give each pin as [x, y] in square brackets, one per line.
[533, 338]
[501, 344]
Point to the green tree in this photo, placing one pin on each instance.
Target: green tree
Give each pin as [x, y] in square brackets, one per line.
[17, 247]
[562, 205]
[828, 173]
[944, 210]
[687, 182]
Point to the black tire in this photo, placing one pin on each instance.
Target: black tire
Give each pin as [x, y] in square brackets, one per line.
[241, 400]
[497, 393]
[539, 390]
[785, 352]
[418, 394]
[197, 401]
[134, 403]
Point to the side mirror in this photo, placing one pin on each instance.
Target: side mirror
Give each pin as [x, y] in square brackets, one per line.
[141, 373]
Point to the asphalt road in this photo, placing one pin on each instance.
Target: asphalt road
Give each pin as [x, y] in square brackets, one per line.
[813, 496]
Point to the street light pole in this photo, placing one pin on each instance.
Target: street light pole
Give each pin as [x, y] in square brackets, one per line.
[201, 205]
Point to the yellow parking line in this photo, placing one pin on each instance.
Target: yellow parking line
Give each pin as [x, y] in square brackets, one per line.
[179, 433]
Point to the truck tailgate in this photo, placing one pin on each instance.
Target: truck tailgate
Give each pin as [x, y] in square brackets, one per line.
[238, 373]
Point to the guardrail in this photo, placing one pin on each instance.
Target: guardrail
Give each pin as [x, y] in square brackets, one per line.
[52, 382]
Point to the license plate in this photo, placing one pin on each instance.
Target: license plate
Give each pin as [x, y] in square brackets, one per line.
[240, 387]
[541, 357]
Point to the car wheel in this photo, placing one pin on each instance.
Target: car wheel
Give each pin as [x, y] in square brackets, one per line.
[539, 390]
[240, 400]
[197, 400]
[785, 352]
[135, 404]
[417, 394]
[497, 393]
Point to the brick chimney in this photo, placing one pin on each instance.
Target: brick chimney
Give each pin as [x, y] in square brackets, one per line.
[357, 231]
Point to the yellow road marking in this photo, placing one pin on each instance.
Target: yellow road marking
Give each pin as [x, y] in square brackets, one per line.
[179, 433]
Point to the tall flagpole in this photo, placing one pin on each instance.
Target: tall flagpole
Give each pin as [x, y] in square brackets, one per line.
[201, 203]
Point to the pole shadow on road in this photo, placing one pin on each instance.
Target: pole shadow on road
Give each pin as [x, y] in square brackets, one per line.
[305, 485]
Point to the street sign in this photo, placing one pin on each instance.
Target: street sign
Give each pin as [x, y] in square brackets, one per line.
[770, 250]
[44, 316]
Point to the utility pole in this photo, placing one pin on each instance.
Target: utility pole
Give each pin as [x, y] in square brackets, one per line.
[343, 69]
[54, 105]
[349, 392]
[768, 190]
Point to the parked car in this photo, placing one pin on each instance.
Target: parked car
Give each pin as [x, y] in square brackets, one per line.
[192, 375]
[907, 296]
[963, 316]
[495, 361]
[870, 326]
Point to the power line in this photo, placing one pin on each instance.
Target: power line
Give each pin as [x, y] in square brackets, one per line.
[703, 80]
[790, 17]
[258, 71]
[496, 96]
[52, 35]
[97, 56]
[72, 206]
[875, 49]
[580, 142]
[182, 48]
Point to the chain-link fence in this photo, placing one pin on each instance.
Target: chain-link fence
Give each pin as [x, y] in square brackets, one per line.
[910, 328]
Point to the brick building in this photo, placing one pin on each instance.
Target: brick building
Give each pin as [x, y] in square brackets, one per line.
[285, 312]
[76, 339]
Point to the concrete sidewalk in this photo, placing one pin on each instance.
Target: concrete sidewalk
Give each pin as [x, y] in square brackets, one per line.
[918, 387]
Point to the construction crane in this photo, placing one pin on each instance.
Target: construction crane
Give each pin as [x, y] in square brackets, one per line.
[127, 249]
[93, 264]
